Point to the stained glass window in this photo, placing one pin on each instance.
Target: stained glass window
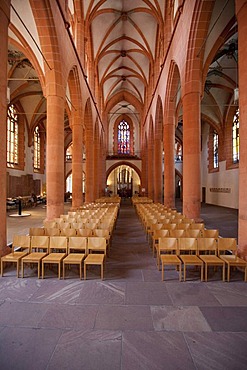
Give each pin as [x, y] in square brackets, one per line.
[123, 138]
[235, 137]
[215, 148]
[12, 136]
[36, 148]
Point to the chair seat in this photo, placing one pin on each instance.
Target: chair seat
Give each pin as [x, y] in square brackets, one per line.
[94, 259]
[170, 259]
[212, 259]
[54, 257]
[14, 256]
[191, 259]
[74, 258]
[234, 260]
[34, 257]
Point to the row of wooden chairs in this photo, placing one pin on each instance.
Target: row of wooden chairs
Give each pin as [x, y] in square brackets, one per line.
[179, 233]
[202, 252]
[42, 250]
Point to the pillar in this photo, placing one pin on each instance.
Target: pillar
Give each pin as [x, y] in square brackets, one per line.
[169, 162]
[192, 155]
[150, 171]
[158, 186]
[89, 197]
[55, 156]
[77, 159]
[241, 12]
[4, 22]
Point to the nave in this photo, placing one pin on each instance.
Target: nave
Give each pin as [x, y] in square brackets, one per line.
[131, 320]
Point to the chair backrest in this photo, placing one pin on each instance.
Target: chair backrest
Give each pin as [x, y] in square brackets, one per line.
[197, 226]
[84, 232]
[49, 224]
[52, 231]
[226, 245]
[21, 242]
[91, 225]
[160, 233]
[187, 220]
[39, 231]
[193, 233]
[77, 225]
[68, 232]
[169, 226]
[176, 233]
[187, 245]
[95, 242]
[183, 226]
[168, 244]
[58, 244]
[177, 220]
[102, 232]
[207, 245]
[40, 243]
[210, 233]
[77, 243]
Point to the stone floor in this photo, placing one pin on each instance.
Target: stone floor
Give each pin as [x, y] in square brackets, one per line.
[131, 320]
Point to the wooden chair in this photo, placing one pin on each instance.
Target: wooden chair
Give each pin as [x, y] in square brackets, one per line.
[193, 233]
[36, 231]
[197, 226]
[57, 252]
[183, 226]
[227, 251]
[156, 235]
[49, 224]
[84, 232]
[105, 233]
[20, 248]
[68, 232]
[207, 251]
[52, 231]
[168, 255]
[188, 254]
[96, 244]
[39, 249]
[210, 233]
[77, 250]
[177, 233]
[94, 259]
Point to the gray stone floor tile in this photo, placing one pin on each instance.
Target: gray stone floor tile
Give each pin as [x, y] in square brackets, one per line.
[191, 294]
[88, 350]
[69, 317]
[179, 319]
[218, 351]
[27, 348]
[155, 351]
[147, 293]
[59, 291]
[21, 313]
[123, 274]
[231, 319]
[15, 289]
[124, 318]
[229, 294]
[102, 292]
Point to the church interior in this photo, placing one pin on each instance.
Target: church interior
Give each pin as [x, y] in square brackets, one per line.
[122, 119]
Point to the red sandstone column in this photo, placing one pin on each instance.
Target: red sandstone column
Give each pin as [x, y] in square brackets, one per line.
[77, 135]
[4, 22]
[96, 168]
[150, 171]
[241, 12]
[191, 155]
[158, 171]
[89, 166]
[169, 163]
[55, 156]
[144, 172]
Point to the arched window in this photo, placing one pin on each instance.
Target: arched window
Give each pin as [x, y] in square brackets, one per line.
[235, 137]
[12, 137]
[123, 138]
[36, 149]
[69, 152]
[216, 149]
